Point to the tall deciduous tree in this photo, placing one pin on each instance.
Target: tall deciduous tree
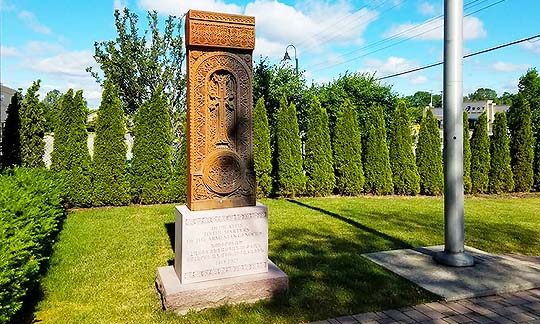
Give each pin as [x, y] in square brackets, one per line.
[500, 172]
[521, 143]
[111, 186]
[467, 182]
[318, 162]
[483, 94]
[32, 129]
[152, 151]
[377, 171]
[347, 146]
[404, 171]
[290, 176]
[51, 105]
[429, 156]
[262, 154]
[480, 158]
[11, 141]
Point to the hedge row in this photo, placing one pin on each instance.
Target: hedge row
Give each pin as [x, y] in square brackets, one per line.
[31, 213]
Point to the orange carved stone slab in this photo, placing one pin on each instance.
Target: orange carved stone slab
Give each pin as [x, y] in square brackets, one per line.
[219, 93]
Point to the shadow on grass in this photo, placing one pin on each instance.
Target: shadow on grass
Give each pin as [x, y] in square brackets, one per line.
[170, 232]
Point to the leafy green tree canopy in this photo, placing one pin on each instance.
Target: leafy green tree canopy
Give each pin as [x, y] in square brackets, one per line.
[482, 94]
[480, 156]
[429, 156]
[500, 172]
[32, 128]
[262, 154]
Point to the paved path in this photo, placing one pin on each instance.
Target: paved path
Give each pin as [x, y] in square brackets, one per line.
[520, 307]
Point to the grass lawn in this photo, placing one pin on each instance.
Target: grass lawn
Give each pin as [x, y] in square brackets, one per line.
[104, 265]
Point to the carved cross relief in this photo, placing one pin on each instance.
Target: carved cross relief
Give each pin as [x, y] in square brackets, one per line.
[222, 96]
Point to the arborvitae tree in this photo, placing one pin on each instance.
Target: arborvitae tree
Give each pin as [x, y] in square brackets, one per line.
[152, 151]
[262, 154]
[290, 176]
[11, 141]
[404, 171]
[429, 156]
[467, 182]
[348, 151]
[521, 144]
[480, 158]
[377, 170]
[500, 172]
[319, 161]
[111, 186]
[60, 154]
[179, 177]
[32, 129]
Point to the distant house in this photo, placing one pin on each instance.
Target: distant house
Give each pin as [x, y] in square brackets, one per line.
[5, 98]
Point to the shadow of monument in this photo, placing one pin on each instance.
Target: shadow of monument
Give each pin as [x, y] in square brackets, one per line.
[169, 227]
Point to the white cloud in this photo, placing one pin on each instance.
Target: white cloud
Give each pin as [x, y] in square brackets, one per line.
[67, 63]
[180, 7]
[419, 80]
[392, 65]
[5, 6]
[426, 8]
[509, 67]
[119, 4]
[473, 28]
[30, 20]
[6, 51]
[533, 46]
[265, 47]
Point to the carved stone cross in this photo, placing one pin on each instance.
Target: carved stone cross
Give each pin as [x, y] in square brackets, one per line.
[222, 95]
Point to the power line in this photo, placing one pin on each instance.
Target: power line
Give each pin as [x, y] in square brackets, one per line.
[465, 56]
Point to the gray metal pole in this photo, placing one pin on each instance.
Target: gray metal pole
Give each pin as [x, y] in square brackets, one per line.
[454, 248]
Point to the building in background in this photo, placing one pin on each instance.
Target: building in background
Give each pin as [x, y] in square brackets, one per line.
[5, 98]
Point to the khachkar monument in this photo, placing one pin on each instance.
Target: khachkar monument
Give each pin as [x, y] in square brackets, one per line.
[221, 235]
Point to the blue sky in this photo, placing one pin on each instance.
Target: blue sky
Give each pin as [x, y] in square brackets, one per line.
[53, 40]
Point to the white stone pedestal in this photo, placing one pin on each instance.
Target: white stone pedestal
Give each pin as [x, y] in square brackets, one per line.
[221, 257]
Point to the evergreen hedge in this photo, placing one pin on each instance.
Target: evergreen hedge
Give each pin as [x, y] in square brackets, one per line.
[180, 174]
[318, 161]
[402, 161]
[521, 144]
[429, 156]
[111, 186]
[32, 129]
[290, 176]
[500, 172]
[377, 171]
[152, 151]
[467, 182]
[262, 154]
[480, 158]
[347, 147]
[11, 141]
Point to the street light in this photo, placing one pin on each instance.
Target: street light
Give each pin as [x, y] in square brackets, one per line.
[286, 57]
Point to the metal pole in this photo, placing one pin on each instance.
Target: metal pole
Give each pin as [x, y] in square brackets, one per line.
[454, 246]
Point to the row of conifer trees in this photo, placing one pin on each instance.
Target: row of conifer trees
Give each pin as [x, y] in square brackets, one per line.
[356, 156]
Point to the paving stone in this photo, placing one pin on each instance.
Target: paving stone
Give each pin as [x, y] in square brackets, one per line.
[513, 300]
[519, 317]
[398, 316]
[347, 320]
[370, 322]
[435, 321]
[508, 310]
[333, 321]
[381, 315]
[366, 316]
[458, 308]
[527, 295]
[416, 315]
[429, 312]
[441, 308]
[477, 318]
[458, 319]
[387, 320]
[320, 322]
[478, 309]
[501, 320]
[533, 306]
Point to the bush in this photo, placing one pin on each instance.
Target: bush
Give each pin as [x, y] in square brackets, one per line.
[429, 156]
[467, 183]
[318, 162]
[348, 151]
[179, 177]
[290, 176]
[500, 172]
[480, 156]
[377, 171]
[262, 155]
[11, 141]
[31, 213]
[404, 172]
[152, 151]
[111, 186]
[32, 129]
[521, 144]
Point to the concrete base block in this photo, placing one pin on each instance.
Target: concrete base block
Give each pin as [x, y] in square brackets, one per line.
[182, 298]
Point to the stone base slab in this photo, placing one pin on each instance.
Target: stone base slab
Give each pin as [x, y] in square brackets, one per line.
[182, 298]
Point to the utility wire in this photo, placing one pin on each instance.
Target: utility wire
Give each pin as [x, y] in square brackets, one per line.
[465, 56]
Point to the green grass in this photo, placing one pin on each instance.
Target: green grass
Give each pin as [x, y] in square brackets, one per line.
[104, 265]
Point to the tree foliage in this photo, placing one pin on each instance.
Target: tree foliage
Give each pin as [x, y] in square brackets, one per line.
[51, 105]
[480, 157]
[429, 156]
[111, 186]
[290, 176]
[318, 162]
[262, 154]
[32, 129]
[467, 182]
[521, 143]
[402, 161]
[11, 136]
[500, 172]
[377, 171]
[482, 94]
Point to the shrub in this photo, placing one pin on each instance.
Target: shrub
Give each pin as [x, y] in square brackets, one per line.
[318, 162]
[521, 144]
[377, 171]
[480, 156]
[404, 172]
[179, 177]
[262, 155]
[467, 183]
[152, 151]
[11, 141]
[111, 186]
[429, 156]
[31, 213]
[348, 151]
[290, 176]
[32, 129]
[500, 172]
